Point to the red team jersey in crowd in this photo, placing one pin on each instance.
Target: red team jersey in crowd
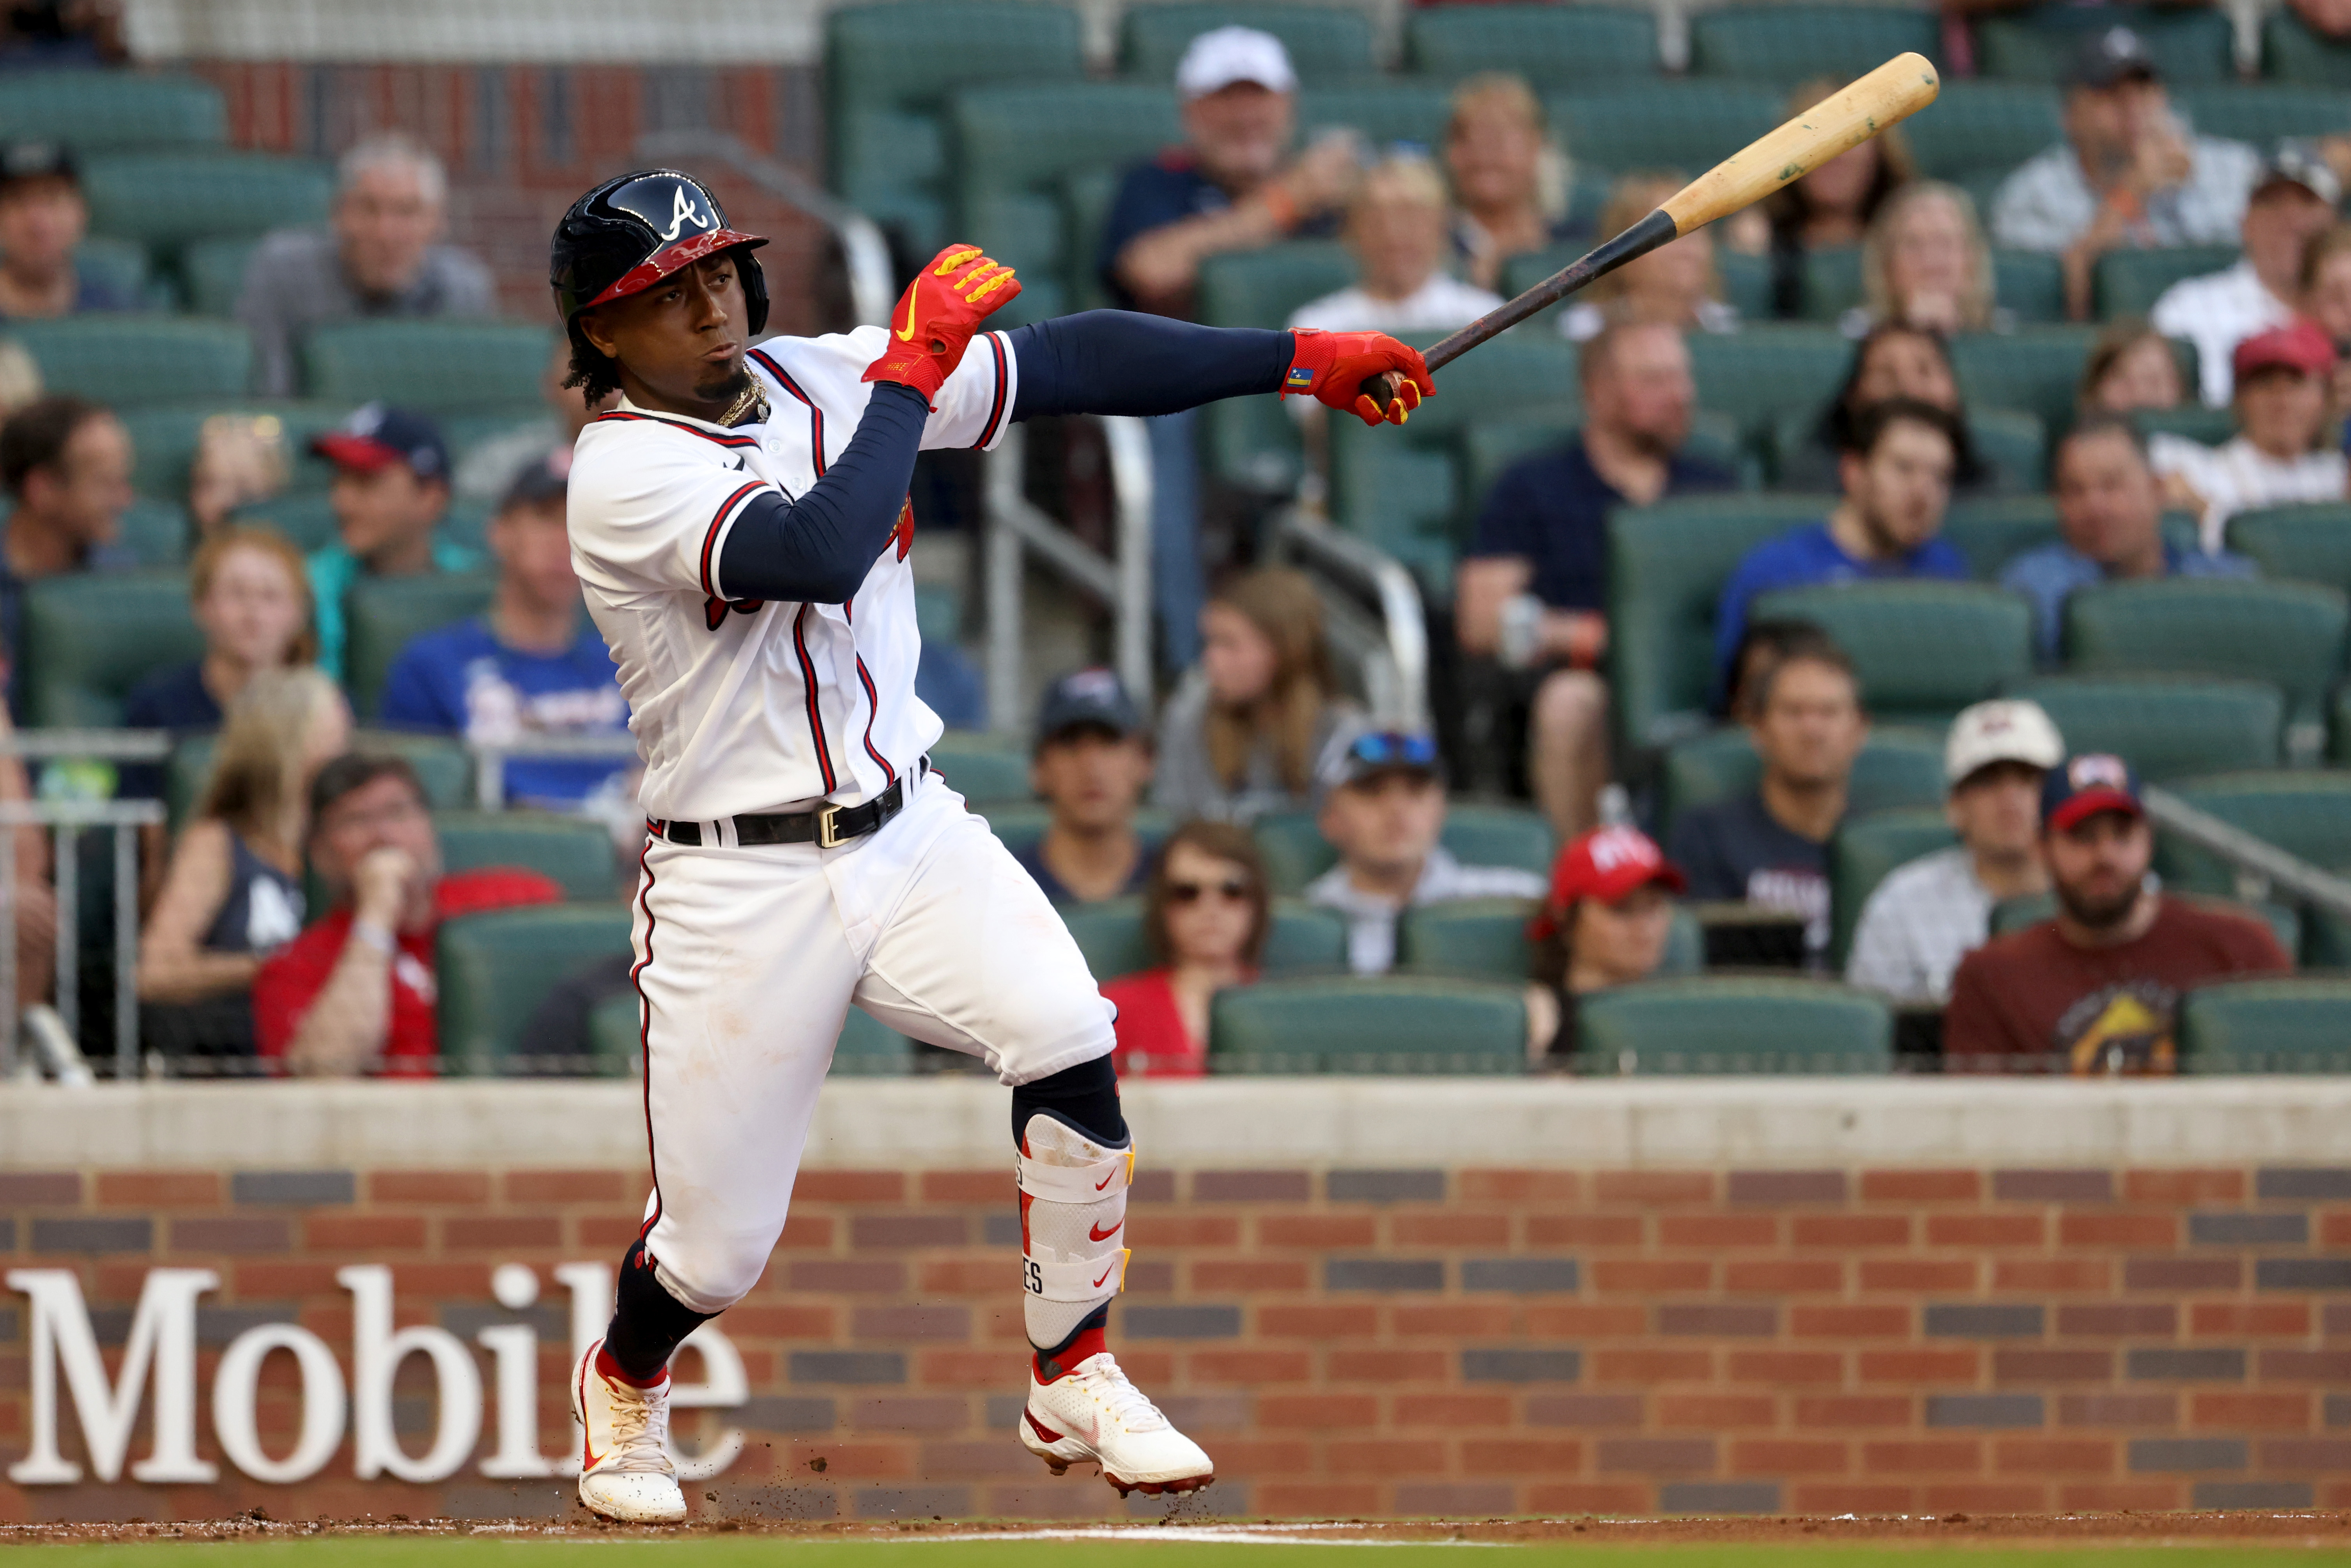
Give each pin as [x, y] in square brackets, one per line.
[292, 980]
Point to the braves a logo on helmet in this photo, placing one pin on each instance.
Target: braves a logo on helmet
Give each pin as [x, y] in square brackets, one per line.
[682, 211]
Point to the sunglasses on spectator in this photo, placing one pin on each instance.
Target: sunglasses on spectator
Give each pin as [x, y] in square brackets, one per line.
[1233, 890]
[1391, 748]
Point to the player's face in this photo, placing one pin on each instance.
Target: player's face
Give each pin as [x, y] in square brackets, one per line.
[2109, 503]
[1208, 908]
[1092, 777]
[386, 511]
[1387, 823]
[1623, 941]
[680, 342]
[2098, 866]
[1811, 726]
[252, 610]
[534, 551]
[1995, 810]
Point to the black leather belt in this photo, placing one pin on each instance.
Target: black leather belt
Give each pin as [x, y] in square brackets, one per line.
[827, 826]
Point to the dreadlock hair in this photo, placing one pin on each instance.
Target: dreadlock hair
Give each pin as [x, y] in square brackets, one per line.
[597, 375]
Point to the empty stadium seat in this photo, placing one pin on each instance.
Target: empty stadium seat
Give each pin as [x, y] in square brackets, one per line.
[2303, 543]
[1486, 939]
[573, 850]
[381, 614]
[494, 970]
[1386, 112]
[1994, 531]
[2169, 726]
[2031, 285]
[2288, 632]
[1757, 375]
[1326, 42]
[1300, 938]
[982, 768]
[2188, 44]
[89, 637]
[2292, 52]
[154, 532]
[1253, 442]
[104, 110]
[165, 199]
[2305, 812]
[2265, 113]
[124, 359]
[211, 274]
[2273, 1024]
[1296, 852]
[2035, 369]
[1733, 1024]
[1979, 126]
[443, 766]
[1386, 1024]
[1897, 768]
[1923, 650]
[438, 366]
[307, 519]
[1666, 564]
[1869, 848]
[1685, 125]
[1549, 46]
[120, 266]
[2128, 282]
[1789, 43]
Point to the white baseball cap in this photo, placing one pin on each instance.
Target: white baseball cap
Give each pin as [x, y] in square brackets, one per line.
[2006, 730]
[1214, 60]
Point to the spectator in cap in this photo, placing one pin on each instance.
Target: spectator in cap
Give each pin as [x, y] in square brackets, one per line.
[1231, 185]
[1926, 915]
[1604, 921]
[2282, 450]
[1091, 765]
[43, 218]
[66, 464]
[2291, 203]
[381, 256]
[532, 665]
[1380, 802]
[488, 470]
[2096, 989]
[391, 492]
[2131, 172]
[2110, 522]
[1206, 913]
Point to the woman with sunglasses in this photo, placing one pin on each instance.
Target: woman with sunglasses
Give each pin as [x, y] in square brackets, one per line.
[1205, 916]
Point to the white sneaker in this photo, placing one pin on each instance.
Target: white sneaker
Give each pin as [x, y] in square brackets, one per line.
[1095, 1414]
[625, 1471]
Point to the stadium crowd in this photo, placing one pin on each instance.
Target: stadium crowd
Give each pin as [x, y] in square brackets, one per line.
[368, 592]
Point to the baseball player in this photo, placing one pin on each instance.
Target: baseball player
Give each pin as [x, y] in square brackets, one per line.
[741, 529]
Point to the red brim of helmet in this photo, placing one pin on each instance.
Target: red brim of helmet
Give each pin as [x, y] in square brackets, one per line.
[671, 257]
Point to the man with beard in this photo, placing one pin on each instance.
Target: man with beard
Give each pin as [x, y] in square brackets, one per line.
[2097, 989]
[1531, 593]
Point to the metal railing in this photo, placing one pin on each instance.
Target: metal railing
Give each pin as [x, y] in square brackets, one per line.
[2261, 868]
[68, 819]
[490, 758]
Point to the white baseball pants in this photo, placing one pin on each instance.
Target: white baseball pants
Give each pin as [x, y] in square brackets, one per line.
[747, 960]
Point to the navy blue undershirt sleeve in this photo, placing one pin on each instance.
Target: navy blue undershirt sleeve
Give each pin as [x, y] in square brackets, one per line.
[1121, 362]
[821, 547]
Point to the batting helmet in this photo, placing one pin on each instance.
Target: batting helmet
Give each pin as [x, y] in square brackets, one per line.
[630, 232]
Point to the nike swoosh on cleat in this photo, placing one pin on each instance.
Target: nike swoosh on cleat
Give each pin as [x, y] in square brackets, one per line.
[1042, 1430]
[1094, 1235]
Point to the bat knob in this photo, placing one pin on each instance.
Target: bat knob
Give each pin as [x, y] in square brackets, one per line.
[1382, 388]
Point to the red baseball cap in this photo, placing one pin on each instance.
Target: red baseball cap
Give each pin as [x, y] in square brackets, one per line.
[1606, 863]
[2299, 345]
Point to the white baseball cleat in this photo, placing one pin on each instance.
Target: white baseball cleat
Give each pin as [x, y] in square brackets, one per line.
[625, 1471]
[1093, 1413]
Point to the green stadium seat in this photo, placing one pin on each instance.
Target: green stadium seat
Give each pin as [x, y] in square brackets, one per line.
[2292, 52]
[1018, 824]
[164, 439]
[1667, 565]
[2273, 1024]
[1832, 282]
[1757, 375]
[1713, 1024]
[1787, 43]
[165, 199]
[1486, 939]
[2169, 726]
[1869, 848]
[1014, 148]
[2305, 812]
[1923, 650]
[2208, 426]
[2288, 632]
[1295, 853]
[1326, 42]
[494, 970]
[124, 359]
[2032, 285]
[89, 637]
[1383, 1024]
[2128, 282]
[982, 768]
[1301, 938]
[118, 264]
[439, 366]
[211, 274]
[2013, 443]
[307, 519]
[1385, 112]
[106, 110]
[381, 614]
[1685, 125]
[2190, 45]
[2035, 369]
[2339, 734]
[155, 533]
[1549, 46]
[1898, 768]
[866, 1048]
[1990, 533]
[1253, 442]
[1978, 126]
[1745, 283]
[573, 852]
[2300, 544]
[443, 766]
[2265, 113]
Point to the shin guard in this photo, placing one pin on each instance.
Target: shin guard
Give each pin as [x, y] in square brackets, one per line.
[1072, 1225]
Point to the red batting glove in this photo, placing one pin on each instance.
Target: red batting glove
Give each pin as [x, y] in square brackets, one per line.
[956, 291]
[1332, 367]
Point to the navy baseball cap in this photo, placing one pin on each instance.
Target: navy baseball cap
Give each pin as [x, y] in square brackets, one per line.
[2083, 786]
[2109, 56]
[1093, 699]
[21, 160]
[543, 479]
[377, 436]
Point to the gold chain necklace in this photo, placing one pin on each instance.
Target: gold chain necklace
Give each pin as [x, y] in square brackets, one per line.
[751, 408]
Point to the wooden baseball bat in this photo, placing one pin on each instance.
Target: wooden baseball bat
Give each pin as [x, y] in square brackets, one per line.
[1893, 92]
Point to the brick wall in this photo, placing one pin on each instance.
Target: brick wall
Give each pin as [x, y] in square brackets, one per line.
[1364, 1342]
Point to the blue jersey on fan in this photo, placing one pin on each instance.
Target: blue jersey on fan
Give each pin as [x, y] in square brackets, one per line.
[461, 680]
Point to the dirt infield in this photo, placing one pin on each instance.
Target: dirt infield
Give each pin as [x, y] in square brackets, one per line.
[2327, 1529]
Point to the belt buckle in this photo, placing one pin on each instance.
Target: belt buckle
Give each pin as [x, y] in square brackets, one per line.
[828, 827]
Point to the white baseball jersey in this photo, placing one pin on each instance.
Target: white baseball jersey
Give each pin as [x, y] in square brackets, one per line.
[741, 705]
